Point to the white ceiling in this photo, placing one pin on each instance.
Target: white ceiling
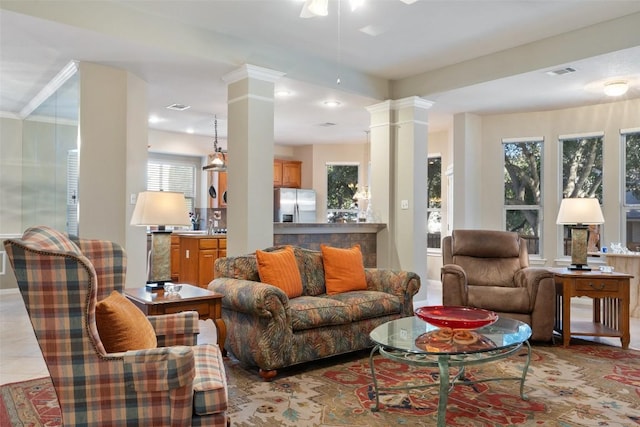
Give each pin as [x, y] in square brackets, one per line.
[478, 56]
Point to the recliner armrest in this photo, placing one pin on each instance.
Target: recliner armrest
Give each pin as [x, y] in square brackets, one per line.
[531, 278]
[454, 285]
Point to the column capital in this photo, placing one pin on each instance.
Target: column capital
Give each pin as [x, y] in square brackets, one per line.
[397, 104]
[252, 71]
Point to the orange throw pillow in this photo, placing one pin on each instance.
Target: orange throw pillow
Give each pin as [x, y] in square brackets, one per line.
[280, 269]
[122, 326]
[343, 269]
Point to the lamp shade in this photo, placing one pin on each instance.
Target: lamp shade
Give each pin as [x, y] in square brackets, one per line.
[580, 211]
[160, 208]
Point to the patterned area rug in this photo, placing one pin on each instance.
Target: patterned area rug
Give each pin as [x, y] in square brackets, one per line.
[584, 385]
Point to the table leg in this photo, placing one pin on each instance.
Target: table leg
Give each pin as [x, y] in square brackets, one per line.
[566, 314]
[524, 371]
[221, 330]
[443, 365]
[373, 377]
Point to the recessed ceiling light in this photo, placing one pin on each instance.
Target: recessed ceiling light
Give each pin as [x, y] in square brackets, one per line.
[283, 93]
[190, 130]
[154, 119]
[616, 88]
[327, 124]
[178, 107]
[332, 103]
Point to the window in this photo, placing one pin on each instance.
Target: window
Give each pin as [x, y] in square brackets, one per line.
[342, 183]
[171, 173]
[631, 204]
[523, 190]
[434, 202]
[582, 177]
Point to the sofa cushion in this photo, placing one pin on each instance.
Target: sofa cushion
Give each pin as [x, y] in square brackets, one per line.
[343, 269]
[309, 312]
[122, 326]
[368, 304]
[497, 298]
[280, 269]
[210, 383]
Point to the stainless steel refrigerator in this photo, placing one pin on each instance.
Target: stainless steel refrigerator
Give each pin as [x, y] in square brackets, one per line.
[294, 205]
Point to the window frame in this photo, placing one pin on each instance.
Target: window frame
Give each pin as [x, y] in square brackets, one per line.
[178, 161]
[431, 249]
[350, 212]
[539, 207]
[626, 207]
[562, 229]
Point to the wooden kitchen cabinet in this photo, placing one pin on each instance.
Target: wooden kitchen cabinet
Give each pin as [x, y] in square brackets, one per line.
[197, 256]
[287, 173]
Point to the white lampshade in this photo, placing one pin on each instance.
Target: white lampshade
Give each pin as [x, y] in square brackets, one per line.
[580, 211]
[160, 208]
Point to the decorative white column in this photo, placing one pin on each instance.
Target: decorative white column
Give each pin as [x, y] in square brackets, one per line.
[113, 128]
[467, 197]
[250, 101]
[399, 133]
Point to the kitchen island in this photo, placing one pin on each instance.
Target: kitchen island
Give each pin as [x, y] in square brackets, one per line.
[342, 235]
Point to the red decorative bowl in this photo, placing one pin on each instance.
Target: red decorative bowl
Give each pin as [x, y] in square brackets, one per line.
[455, 317]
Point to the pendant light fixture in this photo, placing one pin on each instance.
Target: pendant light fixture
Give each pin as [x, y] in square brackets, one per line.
[218, 162]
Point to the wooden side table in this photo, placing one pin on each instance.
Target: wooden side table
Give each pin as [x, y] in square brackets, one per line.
[191, 298]
[610, 294]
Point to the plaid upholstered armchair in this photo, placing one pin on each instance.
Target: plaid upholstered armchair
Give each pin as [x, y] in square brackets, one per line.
[175, 383]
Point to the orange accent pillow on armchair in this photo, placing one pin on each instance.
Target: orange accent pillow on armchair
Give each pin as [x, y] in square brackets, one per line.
[343, 269]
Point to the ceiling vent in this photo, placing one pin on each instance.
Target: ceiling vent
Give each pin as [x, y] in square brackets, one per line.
[178, 107]
[561, 71]
[327, 124]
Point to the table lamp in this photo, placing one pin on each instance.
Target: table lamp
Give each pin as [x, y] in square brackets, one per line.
[160, 208]
[579, 212]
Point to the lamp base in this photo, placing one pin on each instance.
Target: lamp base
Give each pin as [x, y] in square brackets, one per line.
[579, 267]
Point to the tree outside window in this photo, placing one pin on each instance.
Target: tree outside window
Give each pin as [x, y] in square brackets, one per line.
[342, 183]
[582, 176]
[522, 191]
[434, 202]
[631, 199]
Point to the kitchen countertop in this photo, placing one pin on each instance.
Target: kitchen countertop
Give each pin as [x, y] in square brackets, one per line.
[325, 228]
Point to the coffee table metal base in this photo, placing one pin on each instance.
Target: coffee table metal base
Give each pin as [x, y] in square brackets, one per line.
[444, 362]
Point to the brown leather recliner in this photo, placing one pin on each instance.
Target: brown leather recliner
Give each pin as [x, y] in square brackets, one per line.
[490, 270]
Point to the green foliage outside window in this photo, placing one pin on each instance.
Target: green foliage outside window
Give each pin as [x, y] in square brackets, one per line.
[342, 183]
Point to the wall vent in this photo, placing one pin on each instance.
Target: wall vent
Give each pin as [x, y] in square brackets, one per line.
[561, 71]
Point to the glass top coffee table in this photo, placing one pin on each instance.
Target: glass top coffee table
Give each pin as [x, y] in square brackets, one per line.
[413, 341]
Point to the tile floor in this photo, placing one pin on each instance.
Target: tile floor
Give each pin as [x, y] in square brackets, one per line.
[21, 359]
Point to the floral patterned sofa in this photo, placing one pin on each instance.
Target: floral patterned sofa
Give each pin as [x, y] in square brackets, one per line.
[267, 329]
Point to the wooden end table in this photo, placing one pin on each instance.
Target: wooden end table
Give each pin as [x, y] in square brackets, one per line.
[191, 298]
[610, 294]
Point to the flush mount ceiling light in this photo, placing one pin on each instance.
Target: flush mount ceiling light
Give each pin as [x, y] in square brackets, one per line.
[312, 8]
[616, 88]
[178, 107]
[332, 103]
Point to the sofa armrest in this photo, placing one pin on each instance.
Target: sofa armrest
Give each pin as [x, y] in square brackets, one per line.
[141, 368]
[176, 329]
[403, 284]
[454, 285]
[246, 296]
[533, 278]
